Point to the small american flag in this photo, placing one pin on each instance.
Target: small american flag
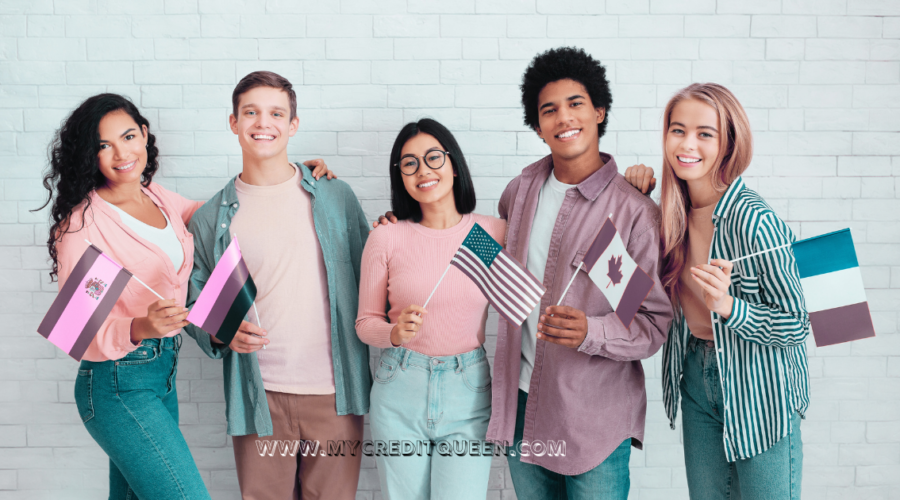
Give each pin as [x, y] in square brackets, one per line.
[510, 288]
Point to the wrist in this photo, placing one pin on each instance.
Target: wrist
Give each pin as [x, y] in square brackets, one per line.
[136, 331]
[394, 338]
[727, 307]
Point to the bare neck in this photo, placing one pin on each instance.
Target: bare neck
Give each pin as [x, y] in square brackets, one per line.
[702, 192]
[575, 170]
[268, 171]
[121, 194]
[441, 214]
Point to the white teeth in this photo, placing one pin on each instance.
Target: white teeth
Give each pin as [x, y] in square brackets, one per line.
[566, 135]
[687, 160]
[267, 137]
[427, 184]
[124, 167]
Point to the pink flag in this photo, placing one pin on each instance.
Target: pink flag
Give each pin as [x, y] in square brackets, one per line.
[84, 302]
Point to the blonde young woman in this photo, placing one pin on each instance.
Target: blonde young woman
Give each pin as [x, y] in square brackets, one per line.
[736, 354]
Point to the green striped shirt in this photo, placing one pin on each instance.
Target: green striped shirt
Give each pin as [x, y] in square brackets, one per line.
[761, 348]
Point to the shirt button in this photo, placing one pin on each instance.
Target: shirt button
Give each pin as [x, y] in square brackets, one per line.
[234, 206]
[223, 225]
[224, 203]
[434, 361]
[720, 350]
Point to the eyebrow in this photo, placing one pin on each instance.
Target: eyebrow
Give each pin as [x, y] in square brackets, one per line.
[570, 98]
[251, 105]
[123, 134]
[700, 127]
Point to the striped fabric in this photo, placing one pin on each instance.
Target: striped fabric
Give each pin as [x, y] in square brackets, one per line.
[509, 287]
[761, 348]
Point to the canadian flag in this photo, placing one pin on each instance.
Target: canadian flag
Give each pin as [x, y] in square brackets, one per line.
[621, 280]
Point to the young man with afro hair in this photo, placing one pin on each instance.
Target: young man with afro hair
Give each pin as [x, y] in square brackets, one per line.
[568, 388]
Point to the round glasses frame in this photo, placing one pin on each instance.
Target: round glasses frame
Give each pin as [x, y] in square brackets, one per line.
[444, 155]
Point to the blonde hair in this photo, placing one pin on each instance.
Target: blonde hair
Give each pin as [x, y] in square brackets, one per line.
[735, 152]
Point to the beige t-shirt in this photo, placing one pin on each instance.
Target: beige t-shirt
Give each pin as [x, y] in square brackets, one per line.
[700, 234]
[275, 227]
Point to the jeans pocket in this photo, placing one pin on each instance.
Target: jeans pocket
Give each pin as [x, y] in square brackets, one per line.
[477, 377]
[143, 354]
[387, 370]
[83, 397]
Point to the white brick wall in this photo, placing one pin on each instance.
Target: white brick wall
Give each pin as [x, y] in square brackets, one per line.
[819, 78]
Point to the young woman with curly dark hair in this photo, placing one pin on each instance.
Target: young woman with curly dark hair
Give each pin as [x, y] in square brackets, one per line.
[102, 163]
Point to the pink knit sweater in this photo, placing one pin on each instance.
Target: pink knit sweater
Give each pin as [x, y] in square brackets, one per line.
[401, 264]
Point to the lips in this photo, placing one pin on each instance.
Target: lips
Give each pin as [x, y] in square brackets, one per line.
[425, 186]
[687, 161]
[262, 137]
[570, 134]
[126, 167]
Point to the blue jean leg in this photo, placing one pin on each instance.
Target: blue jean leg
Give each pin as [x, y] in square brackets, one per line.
[775, 473]
[130, 407]
[609, 480]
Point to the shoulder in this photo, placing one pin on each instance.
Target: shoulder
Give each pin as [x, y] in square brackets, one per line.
[169, 198]
[496, 227]
[529, 171]
[647, 215]
[337, 191]
[750, 213]
[382, 237]
[205, 216]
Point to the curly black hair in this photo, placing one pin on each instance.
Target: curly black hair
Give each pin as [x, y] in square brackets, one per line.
[74, 168]
[559, 64]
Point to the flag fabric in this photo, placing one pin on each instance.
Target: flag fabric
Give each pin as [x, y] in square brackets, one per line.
[509, 287]
[86, 299]
[227, 296]
[621, 280]
[833, 288]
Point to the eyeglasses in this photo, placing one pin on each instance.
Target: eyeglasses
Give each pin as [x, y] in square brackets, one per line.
[409, 164]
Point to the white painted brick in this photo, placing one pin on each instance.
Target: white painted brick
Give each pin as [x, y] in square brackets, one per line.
[273, 26]
[785, 49]
[783, 26]
[526, 26]
[502, 72]
[473, 26]
[820, 96]
[161, 96]
[353, 48]
[401, 72]
[836, 119]
[354, 96]
[217, 72]
[122, 49]
[487, 96]
[460, 72]
[420, 96]
[452, 118]
[17, 25]
[891, 27]
[51, 49]
[344, 26]
[860, 166]
[650, 26]
[427, 48]
[822, 143]
[876, 96]
[481, 49]
[504, 6]
[224, 49]
[98, 26]
[833, 187]
[18, 73]
[836, 49]
[882, 72]
[873, 8]
[717, 26]
[766, 72]
[182, 26]
[665, 48]
[878, 143]
[406, 26]
[220, 25]
[441, 7]
[850, 27]
[888, 50]
[725, 48]
[173, 72]
[585, 27]
[336, 72]
[828, 72]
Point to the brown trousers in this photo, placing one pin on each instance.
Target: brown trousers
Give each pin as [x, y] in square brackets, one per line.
[274, 467]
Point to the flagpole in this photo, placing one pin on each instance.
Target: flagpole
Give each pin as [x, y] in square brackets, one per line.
[255, 310]
[435, 286]
[133, 276]
[760, 253]
[570, 284]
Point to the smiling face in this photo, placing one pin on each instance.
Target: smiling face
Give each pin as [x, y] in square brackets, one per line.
[692, 140]
[568, 120]
[263, 123]
[123, 148]
[427, 185]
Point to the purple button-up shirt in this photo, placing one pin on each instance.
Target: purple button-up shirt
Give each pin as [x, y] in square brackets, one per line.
[593, 398]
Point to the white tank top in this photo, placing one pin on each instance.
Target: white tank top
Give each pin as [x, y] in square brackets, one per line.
[164, 238]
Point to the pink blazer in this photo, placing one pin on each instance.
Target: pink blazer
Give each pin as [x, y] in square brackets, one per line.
[104, 228]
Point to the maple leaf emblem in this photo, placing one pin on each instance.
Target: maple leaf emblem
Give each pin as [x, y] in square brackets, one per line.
[615, 270]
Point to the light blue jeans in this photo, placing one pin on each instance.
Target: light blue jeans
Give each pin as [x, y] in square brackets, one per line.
[608, 481]
[773, 474]
[419, 399]
[130, 407]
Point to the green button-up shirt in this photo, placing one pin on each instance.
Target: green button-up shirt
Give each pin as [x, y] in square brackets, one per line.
[342, 230]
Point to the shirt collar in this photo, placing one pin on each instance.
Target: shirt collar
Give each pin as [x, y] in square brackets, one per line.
[726, 203]
[591, 187]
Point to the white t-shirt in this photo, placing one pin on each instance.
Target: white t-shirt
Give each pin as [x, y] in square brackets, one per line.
[553, 193]
[164, 238]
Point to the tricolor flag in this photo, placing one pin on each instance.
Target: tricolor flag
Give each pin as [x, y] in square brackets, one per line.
[510, 288]
[84, 302]
[624, 284]
[226, 297]
[833, 288]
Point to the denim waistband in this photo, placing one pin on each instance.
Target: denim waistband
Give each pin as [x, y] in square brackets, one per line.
[173, 342]
[696, 343]
[455, 362]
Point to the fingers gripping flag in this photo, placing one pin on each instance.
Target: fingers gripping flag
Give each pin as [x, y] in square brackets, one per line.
[510, 288]
[624, 284]
[227, 296]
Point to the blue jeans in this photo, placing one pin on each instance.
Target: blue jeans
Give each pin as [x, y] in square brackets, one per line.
[419, 399]
[130, 407]
[609, 480]
[775, 473]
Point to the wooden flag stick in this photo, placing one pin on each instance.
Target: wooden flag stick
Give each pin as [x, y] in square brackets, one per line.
[570, 284]
[435, 286]
[760, 253]
[133, 276]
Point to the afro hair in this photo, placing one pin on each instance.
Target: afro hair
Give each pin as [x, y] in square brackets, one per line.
[560, 64]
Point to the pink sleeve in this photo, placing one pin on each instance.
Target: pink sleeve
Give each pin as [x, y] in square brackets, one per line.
[113, 340]
[185, 207]
[372, 323]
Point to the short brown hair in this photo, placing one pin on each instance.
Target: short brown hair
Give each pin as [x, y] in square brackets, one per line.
[264, 79]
